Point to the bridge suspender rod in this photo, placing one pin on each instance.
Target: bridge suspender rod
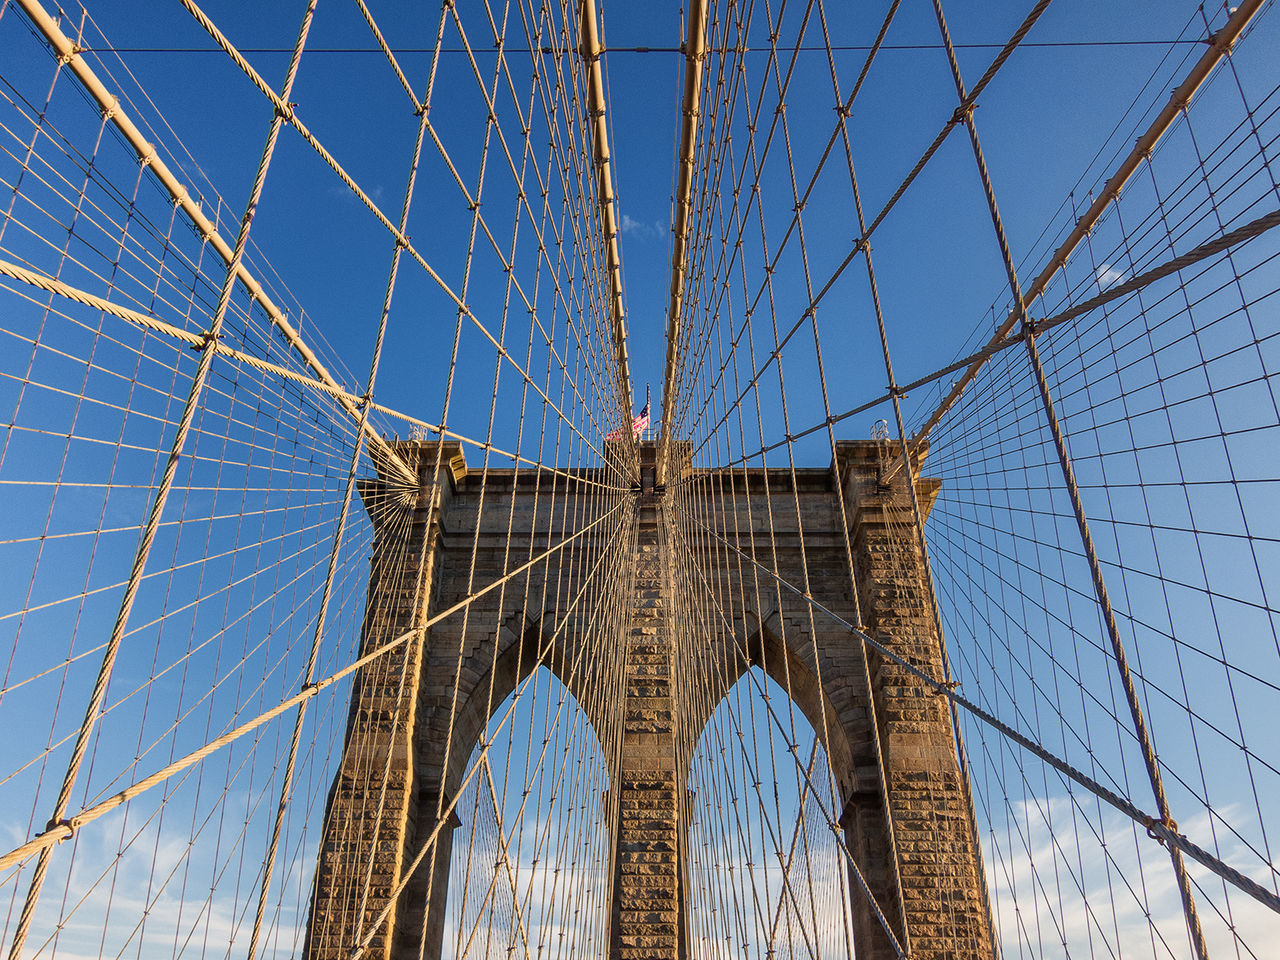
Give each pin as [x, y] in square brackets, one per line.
[694, 53]
[287, 111]
[93, 709]
[921, 541]
[1158, 830]
[64, 829]
[589, 34]
[357, 449]
[1210, 248]
[863, 241]
[147, 154]
[1219, 47]
[446, 810]
[805, 771]
[1152, 764]
[155, 325]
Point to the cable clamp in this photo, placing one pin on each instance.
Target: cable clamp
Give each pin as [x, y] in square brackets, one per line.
[71, 54]
[962, 112]
[53, 825]
[207, 338]
[1168, 823]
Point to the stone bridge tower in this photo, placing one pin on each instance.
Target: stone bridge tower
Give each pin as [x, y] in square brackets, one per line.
[906, 813]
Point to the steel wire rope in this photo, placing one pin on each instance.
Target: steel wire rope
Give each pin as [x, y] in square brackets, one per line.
[510, 516]
[1154, 826]
[148, 155]
[789, 920]
[429, 843]
[190, 162]
[754, 897]
[788, 735]
[290, 116]
[143, 552]
[784, 122]
[688, 615]
[91, 813]
[844, 106]
[519, 820]
[1185, 699]
[780, 113]
[1232, 476]
[863, 241]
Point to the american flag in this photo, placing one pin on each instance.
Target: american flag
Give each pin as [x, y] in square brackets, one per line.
[638, 425]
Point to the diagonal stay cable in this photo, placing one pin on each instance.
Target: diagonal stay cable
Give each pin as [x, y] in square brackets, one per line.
[1240, 235]
[290, 116]
[1219, 47]
[863, 241]
[66, 828]
[149, 157]
[156, 325]
[1155, 828]
[445, 810]
[864, 886]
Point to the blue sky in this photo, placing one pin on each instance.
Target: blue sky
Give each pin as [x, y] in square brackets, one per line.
[1042, 123]
[1018, 606]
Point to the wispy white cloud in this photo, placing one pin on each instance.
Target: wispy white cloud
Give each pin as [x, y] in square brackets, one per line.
[1109, 276]
[641, 230]
[1063, 877]
[148, 891]
[340, 191]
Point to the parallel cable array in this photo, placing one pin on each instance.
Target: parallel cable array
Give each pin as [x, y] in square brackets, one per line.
[196, 814]
[244, 583]
[1160, 389]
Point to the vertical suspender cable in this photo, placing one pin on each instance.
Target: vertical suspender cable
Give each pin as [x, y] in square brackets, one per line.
[207, 353]
[1073, 491]
[1219, 46]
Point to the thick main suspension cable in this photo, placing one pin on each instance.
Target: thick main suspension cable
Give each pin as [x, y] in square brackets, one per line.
[151, 160]
[683, 212]
[1219, 47]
